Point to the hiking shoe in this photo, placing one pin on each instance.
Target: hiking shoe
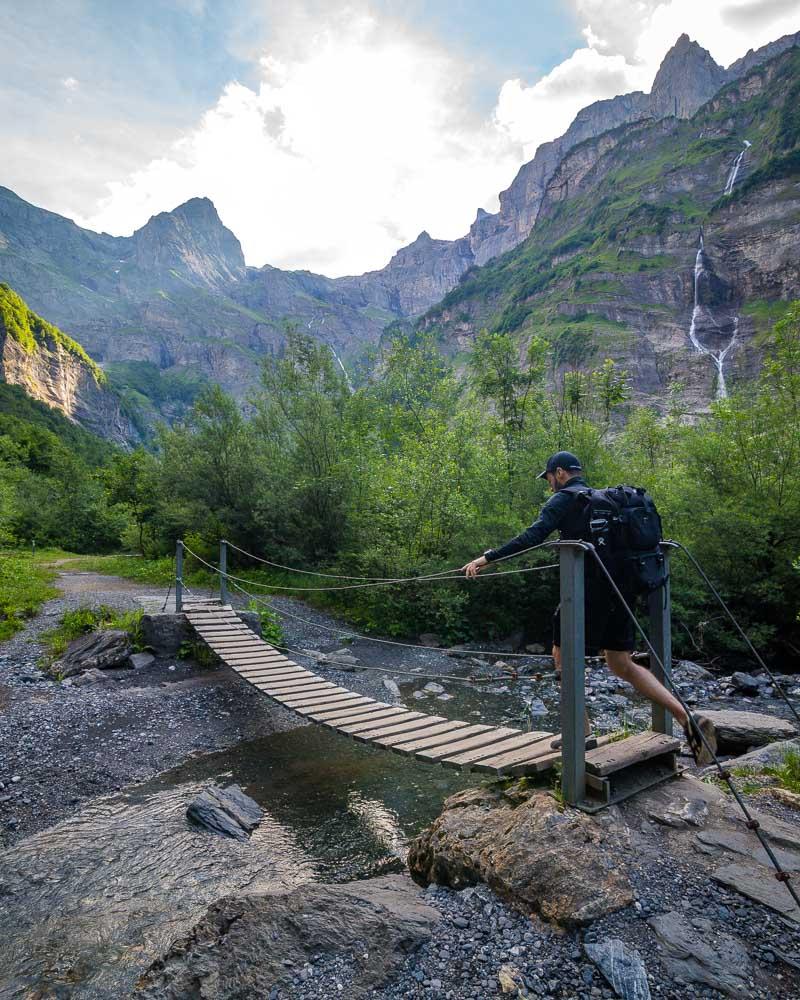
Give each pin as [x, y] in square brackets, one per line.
[695, 729]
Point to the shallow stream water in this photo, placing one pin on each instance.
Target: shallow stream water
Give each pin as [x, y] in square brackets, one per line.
[87, 905]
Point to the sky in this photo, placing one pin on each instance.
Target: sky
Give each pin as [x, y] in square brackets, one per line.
[328, 134]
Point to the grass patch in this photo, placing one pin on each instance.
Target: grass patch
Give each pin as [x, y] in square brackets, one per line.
[24, 586]
[787, 774]
[81, 621]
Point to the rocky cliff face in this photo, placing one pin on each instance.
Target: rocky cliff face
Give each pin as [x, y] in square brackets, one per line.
[54, 372]
[686, 79]
[669, 246]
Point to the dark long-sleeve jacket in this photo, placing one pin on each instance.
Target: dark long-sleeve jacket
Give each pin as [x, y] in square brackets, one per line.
[563, 512]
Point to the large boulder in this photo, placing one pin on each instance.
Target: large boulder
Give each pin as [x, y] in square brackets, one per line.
[165, 633]
[227, 811]
[541, 857]
[247, 946]
[734, 732]
[95, 651]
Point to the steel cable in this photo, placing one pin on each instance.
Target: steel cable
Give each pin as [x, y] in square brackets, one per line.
[358, 635]
[386, 642]
[370, 579]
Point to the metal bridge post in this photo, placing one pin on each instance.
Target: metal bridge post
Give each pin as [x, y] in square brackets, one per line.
[178, 576]
[573, 667]
[223, 571]
[660, 607]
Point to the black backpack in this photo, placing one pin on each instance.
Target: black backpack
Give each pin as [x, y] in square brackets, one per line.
[623, 524]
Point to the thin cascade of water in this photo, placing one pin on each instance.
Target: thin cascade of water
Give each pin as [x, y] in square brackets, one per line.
[734, 171]
[718, 357]
[344, 370]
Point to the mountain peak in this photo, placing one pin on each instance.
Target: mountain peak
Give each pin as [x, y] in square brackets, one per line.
[192, 240]
[687, 77]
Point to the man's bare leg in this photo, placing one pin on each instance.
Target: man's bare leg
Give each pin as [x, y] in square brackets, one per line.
[621, 664]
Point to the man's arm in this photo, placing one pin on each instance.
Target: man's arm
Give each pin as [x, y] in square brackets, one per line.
[549, 519]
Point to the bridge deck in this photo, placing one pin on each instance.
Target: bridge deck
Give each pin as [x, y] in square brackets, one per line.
[461, 745]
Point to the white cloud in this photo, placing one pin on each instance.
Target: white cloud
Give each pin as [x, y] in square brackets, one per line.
[361, 133]
[538, 113]
[351, 146]
[625, 43]
[70, 83]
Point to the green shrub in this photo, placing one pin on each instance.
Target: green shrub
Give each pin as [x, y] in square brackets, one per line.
[271, 628]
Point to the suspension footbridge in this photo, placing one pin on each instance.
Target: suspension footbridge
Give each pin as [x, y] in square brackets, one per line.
[593, 772]
[494, 750]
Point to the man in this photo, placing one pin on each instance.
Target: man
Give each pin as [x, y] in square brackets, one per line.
[608, 625]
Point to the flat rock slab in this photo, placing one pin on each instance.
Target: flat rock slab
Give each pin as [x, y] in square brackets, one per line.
[747, 844]
[561, 864]
[141, 661]
[622, 967]
[771, 755]
[246, 946]
[733, 732]
[759, 883]
[227, 811]
[695, 952]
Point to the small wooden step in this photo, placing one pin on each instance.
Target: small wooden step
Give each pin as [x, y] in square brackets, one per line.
[625, 753]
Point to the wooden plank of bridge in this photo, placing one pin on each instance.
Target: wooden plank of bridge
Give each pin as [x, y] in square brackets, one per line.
[433, 726]
[490, 737]
[633, 750]
[424, 742]
[515, 742]
[376, 720]
[495, 750]
[334, 701]
[408, 722]
[333, 716]
[509, 763]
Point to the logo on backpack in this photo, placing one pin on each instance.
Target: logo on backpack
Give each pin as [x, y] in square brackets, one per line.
[623, 524]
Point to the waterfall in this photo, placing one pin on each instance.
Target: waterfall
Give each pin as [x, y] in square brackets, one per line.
[734, 171]
[698, 313]
[344, 370]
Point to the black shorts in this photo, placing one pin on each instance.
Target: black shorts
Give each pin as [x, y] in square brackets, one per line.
[608, 624]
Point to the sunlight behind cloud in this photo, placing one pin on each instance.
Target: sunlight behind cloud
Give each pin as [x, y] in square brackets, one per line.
[361, 133]
[345, 152]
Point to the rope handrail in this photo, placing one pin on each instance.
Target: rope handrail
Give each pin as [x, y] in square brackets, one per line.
[725, 775]
[370, 579]
[450, 574]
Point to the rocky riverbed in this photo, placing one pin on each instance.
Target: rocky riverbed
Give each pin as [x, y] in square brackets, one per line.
[85, 766]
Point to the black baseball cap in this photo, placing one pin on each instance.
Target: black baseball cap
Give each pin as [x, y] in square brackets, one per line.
[563, 459]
